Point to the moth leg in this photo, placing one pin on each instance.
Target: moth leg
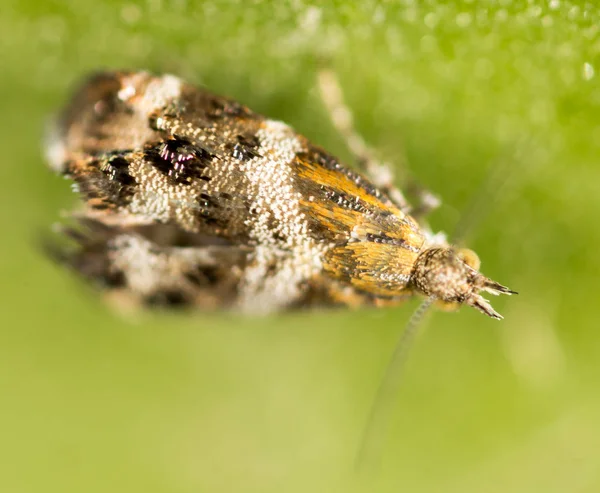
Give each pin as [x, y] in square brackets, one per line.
[379, 173]
[149, 268]
[426, 201]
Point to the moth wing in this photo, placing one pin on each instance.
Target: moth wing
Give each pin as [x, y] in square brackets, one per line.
[152, 264]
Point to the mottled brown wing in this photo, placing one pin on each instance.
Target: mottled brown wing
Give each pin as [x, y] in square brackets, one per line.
[156, 265]
[150, 150]
[109, 141]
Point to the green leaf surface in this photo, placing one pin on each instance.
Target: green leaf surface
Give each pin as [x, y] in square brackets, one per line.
[93, 401]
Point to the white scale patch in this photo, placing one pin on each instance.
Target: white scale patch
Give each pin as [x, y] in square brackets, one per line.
[158, 198]
[145, 271]
[150, 93]
[277, 204]
[54, 147]
[149, 270]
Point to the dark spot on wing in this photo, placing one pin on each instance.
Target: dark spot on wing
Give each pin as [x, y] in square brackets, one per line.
[204, 276]
[387, 240]
[206, 201]
[343, 200]
[178, 159]
[104, 182]
[217, 107]
[117, 170]
[167, 299]
[245, 148]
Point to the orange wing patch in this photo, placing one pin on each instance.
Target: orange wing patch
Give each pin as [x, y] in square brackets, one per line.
[375, 243]
[379, 269]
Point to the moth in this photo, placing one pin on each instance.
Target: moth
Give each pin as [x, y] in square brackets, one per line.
[190, 198]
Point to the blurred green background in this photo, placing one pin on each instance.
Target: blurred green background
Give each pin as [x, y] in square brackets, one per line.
[93, 401]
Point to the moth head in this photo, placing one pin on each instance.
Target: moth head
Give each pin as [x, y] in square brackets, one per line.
[452, 278]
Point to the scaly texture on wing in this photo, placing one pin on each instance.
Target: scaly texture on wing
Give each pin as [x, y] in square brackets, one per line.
[150, 150]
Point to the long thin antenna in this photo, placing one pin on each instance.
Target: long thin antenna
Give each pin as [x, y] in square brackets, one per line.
[372, 441]
[495, 183]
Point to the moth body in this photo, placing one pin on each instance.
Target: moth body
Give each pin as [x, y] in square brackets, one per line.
[192, 198]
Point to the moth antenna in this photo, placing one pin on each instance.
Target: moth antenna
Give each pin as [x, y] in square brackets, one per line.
[371, 444]
[495, 181]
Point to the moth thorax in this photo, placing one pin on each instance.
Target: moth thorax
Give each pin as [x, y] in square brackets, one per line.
[451, 277]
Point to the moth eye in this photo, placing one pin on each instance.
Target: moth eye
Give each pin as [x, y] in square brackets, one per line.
[469, 257]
